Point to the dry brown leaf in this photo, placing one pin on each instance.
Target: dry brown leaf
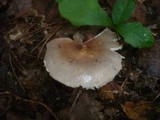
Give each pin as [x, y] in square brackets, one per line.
[142, 106]
[109, 90]
[136, 111]
[140, 14]
[107, 95]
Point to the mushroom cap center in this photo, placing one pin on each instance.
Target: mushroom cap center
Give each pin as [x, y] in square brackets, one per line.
[81, 52]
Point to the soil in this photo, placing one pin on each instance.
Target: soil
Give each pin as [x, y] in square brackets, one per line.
[27, 92]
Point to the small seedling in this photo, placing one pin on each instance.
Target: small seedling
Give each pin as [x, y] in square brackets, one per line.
[89, 12]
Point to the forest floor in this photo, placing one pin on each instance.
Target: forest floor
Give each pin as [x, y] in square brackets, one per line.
[27, 92]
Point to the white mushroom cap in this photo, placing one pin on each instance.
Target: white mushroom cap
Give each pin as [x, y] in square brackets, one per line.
[91, 64]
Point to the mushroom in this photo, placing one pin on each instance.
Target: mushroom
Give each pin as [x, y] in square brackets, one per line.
[90, 64]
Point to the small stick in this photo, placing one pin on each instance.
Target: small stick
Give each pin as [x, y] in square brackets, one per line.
[75, 100]
[10, 61]
[47, 41]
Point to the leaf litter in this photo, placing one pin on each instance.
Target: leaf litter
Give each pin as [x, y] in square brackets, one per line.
[24, 82]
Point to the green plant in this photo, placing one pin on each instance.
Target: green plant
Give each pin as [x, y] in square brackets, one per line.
[89, 12]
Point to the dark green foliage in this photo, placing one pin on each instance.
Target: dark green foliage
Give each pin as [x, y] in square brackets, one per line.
[89, 12]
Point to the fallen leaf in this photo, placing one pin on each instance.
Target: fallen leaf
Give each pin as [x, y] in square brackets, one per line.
[140, 14]
[136, 111]
[109, 90]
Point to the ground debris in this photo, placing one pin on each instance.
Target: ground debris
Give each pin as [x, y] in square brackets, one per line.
[149, 60]
[27, 92]
[86, 108]
[136, 111]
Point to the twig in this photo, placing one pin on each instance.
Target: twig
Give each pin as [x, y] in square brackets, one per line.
[47, 41]
[10, 61]
[35, 31]
[124, 84]
[18, 16]
[19, 66]
[75, 100]
[156, 97]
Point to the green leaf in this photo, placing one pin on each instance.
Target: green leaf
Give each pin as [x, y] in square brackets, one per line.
[122, 11]
[84, 12]
[136, 35]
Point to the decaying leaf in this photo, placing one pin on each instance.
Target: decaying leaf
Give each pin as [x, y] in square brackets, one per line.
[109, 90]
[136, 111]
